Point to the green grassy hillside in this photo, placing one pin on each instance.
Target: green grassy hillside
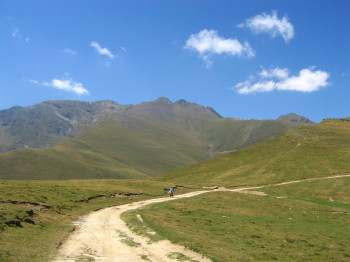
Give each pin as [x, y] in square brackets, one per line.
[309, 151]
[229, 134]
[135, 148]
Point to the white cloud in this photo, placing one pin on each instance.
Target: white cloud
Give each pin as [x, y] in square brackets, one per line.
[65, 85]
[123, 49]
[209, 42]
[270, 24]
[307, 81]
[69, 51]
[102, 50]
[247, 87]
[275, 73]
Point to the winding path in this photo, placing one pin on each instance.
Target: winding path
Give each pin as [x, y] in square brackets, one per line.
[101, 235]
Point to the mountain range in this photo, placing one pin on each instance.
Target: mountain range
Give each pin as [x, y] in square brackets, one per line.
[47, 123]
[104, 139]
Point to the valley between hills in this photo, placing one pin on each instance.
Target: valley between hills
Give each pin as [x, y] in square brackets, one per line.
[72, 158]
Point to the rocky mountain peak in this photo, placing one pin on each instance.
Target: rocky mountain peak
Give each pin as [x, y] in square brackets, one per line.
[181, 102]
[163, 100]
[295, 118]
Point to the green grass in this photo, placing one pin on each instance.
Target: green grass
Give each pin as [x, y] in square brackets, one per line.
[140, 228]
[144, 257]
[128, 240]
[333, 192]
[228, 226]
[180, 257]
[61, 203]
[311, 151]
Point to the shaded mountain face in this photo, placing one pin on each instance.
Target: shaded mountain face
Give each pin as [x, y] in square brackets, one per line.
[295, 118]
[47, 123]
[122, 141]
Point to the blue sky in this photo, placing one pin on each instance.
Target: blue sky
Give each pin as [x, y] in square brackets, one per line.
[249, 59]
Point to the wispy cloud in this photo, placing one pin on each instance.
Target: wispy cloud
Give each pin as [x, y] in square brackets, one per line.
[270, 24]
[209, 42]
[69, 51]
[347, 74]
[308, 80]
[102, 50]
[33, 81]
[274, 73]
[64, 84]
[16, 34]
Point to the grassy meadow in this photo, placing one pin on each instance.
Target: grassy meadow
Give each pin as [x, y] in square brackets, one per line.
[308, 221]
[36, 216]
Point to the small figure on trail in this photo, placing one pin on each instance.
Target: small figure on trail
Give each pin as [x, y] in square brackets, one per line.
[171, 192]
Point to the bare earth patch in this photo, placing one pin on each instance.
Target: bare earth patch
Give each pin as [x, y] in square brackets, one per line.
[257, 193]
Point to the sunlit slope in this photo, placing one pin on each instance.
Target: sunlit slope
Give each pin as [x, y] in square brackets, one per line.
[134, 148]
[228, 134]
[145, 145]
[62, 163]
[309, 151]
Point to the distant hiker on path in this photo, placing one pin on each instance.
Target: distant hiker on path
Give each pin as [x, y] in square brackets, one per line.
[171, 192]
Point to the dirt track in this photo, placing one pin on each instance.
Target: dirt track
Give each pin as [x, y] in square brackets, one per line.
[100, 236]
